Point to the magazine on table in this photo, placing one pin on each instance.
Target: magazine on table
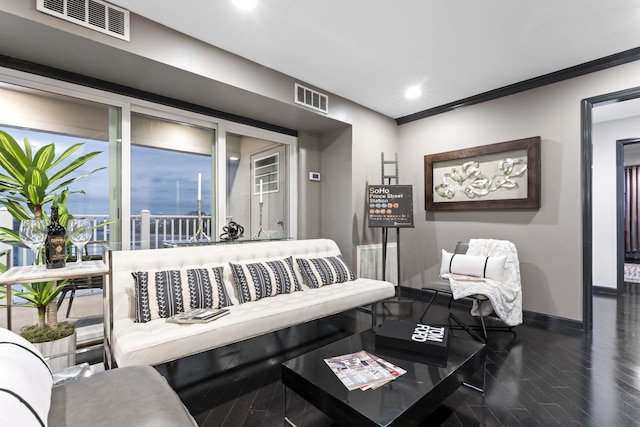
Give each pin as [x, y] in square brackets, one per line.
[198, 315]
[363, 370]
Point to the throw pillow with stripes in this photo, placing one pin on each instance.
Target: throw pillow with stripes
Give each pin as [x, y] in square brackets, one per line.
[161, 294]
[483, 267]
[318, 272]
[203, 293]
[259, 280]
[158, 294]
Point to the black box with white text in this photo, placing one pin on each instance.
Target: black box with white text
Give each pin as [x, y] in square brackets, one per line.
[418, 337]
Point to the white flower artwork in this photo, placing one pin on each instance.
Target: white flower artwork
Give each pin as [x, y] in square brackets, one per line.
[473, 183]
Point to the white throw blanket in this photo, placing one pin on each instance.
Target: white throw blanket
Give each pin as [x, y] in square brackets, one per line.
[505, 297]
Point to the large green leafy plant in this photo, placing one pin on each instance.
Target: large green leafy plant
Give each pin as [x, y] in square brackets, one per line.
[32, 180]
[28, 181]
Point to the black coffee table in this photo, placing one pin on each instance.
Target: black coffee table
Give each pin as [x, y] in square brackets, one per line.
[407, 400]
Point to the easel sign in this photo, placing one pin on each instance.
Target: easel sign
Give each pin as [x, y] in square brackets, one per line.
[390, 206]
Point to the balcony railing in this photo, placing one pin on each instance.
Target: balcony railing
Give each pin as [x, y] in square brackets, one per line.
[151, 231]
[148, 231]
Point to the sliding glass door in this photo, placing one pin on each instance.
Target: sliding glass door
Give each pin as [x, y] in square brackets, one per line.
[171, 182]
[155, 158]
[46, 118]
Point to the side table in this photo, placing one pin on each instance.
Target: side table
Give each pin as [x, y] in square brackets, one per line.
[29, 274]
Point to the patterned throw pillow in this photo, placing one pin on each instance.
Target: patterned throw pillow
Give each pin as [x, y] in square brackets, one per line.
[204, 294]
[319, 272]
[158, 295]
[161, 294]
[259, 280]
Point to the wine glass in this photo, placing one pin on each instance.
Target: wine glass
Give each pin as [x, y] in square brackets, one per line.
[79, 232]
[33, 233]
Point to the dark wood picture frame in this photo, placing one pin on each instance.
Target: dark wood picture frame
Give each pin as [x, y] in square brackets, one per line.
[459, 157]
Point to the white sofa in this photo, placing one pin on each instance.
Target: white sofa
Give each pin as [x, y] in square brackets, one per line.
[158, 341]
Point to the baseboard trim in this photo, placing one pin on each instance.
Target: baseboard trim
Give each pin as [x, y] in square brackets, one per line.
[529, 317]
[551, 322]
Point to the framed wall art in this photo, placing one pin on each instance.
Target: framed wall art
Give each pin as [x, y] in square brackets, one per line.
[505, 175]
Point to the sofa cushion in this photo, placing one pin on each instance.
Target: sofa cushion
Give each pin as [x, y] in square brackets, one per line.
[25, 382]
[161, 294]
[473, 265]
[259, 280]
[127, 396]
[319, 272]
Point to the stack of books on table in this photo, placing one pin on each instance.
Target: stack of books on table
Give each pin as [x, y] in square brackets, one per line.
[198, 315]
[426, 339]
[363, 370]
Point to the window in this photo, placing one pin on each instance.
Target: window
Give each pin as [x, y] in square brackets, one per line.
[266, 174]
[170, 175]
[44, 118]
[153, 156]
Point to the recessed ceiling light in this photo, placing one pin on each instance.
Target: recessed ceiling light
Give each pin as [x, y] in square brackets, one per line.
[413, 92]
[246, 4]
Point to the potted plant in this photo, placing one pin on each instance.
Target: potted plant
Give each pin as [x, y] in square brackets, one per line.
[30, 181]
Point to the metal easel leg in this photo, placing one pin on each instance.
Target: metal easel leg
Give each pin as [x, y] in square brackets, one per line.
[397, 299]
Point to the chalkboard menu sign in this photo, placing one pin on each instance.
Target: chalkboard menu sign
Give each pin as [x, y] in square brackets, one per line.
[390, 206]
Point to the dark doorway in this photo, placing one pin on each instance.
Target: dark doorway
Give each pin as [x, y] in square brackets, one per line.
[587, 106]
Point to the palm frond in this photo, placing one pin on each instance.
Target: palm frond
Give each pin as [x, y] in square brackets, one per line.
[79, 162]
[11, 147]
[10, 237]
[44, 157]
[69, 151]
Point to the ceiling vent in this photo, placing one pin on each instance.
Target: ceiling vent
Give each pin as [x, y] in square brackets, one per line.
[95, 14]
[312, 99]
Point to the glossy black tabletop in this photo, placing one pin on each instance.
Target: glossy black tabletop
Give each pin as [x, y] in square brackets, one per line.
[404, 401]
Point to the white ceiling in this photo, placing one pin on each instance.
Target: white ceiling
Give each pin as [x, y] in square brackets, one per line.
[616, 111]
[371, 51]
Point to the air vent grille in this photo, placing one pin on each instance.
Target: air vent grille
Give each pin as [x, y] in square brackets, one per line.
[95, 14]
[311, 98]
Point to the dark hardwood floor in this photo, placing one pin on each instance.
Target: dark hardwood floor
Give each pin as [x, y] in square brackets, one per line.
[540, 377]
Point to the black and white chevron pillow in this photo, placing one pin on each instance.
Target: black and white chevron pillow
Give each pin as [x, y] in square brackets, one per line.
[161, 294]
[205, 294]
[319, 272]
[158, 294]
[259, 280]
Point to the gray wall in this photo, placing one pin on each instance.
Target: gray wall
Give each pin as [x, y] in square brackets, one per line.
[549, 240]
[336, 193]
[310, 192]
[371, 136]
